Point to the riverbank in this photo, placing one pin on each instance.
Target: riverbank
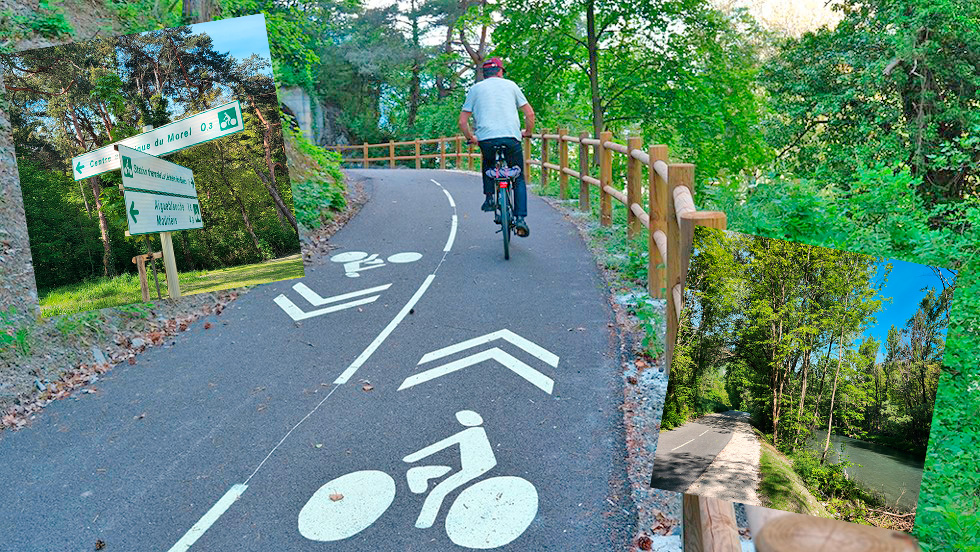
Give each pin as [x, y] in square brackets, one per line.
[781, 488]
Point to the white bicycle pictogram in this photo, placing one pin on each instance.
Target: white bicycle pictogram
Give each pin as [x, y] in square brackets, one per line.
[487, 514]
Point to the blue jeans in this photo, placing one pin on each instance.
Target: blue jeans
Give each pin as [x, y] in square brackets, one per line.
[515, 158]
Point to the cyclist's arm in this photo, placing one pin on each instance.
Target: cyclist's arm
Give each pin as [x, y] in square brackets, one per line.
[464, 125]
[433, 448]
[528, 112]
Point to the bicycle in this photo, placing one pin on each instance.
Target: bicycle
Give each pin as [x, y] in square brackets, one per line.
[504, 178]
[487, 514]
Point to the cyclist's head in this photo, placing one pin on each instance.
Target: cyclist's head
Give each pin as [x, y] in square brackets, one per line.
[493, 67]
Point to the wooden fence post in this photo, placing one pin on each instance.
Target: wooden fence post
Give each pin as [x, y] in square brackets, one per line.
[634, 171]
[442, 152]
[527, 157]
[140, 261]
[709, 525]
[391, 154]
[678, 174]
[605, 178]
[563, 163]
[544, 159]
[365, 145]
[657, 209]
[418, 154]
[583, 171]
[469, 156]
[459, 152]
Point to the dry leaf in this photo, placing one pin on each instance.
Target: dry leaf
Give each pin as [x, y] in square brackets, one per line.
[645, 543]
[99, 544]
[631, 379]
[207, 325]
[367, 387]
[336, 496]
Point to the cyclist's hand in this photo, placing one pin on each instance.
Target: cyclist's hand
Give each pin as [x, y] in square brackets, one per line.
[472, 141]
[526, 133]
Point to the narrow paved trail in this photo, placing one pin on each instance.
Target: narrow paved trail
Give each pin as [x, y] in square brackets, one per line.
[412, 353]
[716, 455]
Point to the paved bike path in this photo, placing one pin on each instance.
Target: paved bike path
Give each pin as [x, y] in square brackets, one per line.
[686, 452]
[220, 400]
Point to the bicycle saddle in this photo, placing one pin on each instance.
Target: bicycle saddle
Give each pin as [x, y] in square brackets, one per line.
[506, 172]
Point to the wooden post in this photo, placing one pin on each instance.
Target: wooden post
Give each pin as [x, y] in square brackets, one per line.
[656, 273]
[709, 525]
[563, 163]
[459, 152]
[170, 264]
[469, 156]
[583, 171]
[605, 178]
[153, 263]
[678, 174]
[527, 157]
[418, 155]
[634, 194]
[391, 153]
[442, 152]
[778, 531]
[544, 159]
[366, 155]
[140, 261]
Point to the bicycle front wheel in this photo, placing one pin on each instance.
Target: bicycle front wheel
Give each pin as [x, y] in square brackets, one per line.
[347, 505]
[505, 222]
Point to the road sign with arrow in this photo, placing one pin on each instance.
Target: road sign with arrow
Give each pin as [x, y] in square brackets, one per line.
[523, 370]
[161, 195]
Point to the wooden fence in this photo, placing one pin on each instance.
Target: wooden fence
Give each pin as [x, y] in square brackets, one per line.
[667, 213]
[659, 199]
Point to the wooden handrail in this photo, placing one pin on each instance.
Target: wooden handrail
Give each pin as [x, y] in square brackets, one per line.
[668, 214]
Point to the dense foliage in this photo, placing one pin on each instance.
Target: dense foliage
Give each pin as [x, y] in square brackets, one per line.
[78, 97]
[786, 327]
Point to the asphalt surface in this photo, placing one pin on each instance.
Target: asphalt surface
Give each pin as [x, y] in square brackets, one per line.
[269, 409]
[685, 452]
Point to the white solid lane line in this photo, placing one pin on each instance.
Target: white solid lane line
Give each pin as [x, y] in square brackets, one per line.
[236, 491]
[195, 532]
[703, 432]
[679, 446]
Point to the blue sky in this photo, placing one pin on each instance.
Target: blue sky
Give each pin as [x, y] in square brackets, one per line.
[907, 284]
[240, 37]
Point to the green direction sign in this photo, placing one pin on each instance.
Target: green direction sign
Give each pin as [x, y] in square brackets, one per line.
[160, 196]
[201, 127]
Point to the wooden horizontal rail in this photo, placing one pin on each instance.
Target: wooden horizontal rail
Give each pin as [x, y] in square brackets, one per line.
[658, 199]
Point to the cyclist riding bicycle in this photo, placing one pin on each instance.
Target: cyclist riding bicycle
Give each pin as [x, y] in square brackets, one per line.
[493, 103]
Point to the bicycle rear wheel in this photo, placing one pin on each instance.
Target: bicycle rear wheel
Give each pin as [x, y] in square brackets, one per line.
[505, 221]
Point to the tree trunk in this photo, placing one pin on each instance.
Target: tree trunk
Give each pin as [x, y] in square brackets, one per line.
[598, 125]
[270, 179]
[833, 395]
[108, 268]
[199, 11]
[414, 93]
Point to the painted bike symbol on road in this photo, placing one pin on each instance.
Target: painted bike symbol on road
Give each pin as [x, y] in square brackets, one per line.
[488, 514]
[359, 261]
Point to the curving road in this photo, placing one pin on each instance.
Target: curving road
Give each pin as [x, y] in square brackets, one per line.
[686, 452]
[410, 327]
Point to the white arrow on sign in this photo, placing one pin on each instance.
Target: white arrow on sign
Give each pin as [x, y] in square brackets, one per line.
[535, 377]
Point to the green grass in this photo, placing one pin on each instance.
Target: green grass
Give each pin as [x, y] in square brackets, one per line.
[781, 488]
[125, 289]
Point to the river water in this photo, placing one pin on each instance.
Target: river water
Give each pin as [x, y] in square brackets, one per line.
[895, 473]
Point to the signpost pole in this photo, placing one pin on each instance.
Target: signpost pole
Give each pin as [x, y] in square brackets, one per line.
[169, 260]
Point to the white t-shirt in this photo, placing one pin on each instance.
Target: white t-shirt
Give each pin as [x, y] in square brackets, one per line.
[494, 102]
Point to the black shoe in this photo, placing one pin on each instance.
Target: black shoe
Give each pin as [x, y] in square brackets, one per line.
[488, 204]
[520, 227]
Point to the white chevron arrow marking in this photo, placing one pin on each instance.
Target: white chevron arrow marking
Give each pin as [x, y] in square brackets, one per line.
[539, 380]
[507, 335]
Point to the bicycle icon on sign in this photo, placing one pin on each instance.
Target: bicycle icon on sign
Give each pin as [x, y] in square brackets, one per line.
[488, 514]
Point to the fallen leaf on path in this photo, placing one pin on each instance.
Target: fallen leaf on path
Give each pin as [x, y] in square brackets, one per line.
[367, 387]
[99, 544]
[207, 325]
[632, 380]
[336, 496]
[645, 543]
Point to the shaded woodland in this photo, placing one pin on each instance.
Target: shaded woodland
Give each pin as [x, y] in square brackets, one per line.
[70, 99]
[780, 329]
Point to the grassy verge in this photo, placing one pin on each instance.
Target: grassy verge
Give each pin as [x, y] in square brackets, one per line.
[782, 488]
[125, 289]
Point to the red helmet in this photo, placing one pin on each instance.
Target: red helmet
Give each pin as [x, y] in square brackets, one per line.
[493, 62]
